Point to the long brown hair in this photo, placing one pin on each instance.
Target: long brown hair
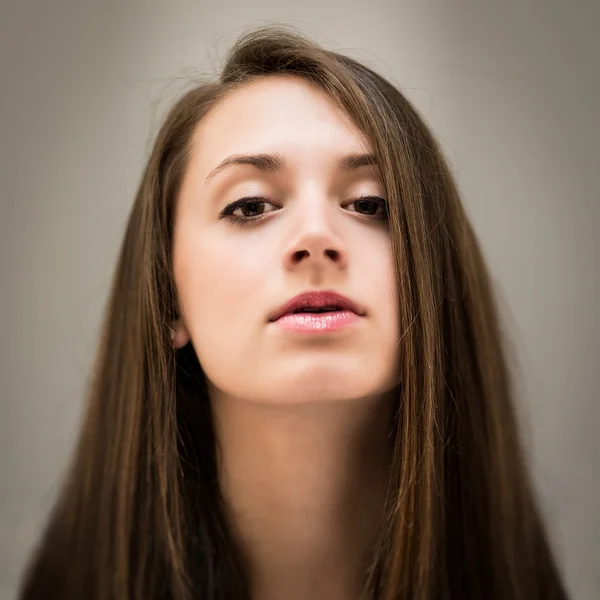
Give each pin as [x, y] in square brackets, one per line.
[140, 515]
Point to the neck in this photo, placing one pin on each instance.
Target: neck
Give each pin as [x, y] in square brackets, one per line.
[303, 486]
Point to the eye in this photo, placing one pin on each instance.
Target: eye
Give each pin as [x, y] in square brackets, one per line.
[249, 210]
[371, 206]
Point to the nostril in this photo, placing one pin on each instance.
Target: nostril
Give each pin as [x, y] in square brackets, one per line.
[299, 255]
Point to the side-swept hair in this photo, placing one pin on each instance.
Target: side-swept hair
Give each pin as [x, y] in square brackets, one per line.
[141, 516]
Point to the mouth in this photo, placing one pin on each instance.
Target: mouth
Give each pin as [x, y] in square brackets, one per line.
[317, 312]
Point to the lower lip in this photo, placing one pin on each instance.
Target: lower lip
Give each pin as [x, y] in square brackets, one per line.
[318, 322]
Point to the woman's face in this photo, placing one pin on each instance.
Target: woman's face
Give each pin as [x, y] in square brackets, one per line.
[310, 235]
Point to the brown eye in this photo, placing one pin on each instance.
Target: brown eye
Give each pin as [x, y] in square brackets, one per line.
[371, 206]
[252, 208]
[246, 211]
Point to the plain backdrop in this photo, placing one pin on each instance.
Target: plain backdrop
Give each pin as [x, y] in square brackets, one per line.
[512, 91]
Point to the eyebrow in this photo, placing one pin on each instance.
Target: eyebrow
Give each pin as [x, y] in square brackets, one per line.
[272, 163]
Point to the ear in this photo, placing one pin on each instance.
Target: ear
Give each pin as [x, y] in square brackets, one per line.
[179, 334]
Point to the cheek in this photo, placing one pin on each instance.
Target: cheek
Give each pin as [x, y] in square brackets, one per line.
[377, 271]
[391, 289]
[218, 283]
[387, 303]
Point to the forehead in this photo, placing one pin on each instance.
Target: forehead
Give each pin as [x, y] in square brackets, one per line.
[280, 114]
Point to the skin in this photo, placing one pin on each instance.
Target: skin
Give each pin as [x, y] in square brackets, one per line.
[303, 421]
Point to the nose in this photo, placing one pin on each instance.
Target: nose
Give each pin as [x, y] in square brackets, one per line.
[315, 242]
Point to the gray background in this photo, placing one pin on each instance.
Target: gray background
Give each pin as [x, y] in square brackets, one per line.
[511, 89]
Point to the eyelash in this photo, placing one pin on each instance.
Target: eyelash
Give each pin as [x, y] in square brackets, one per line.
[230, 218]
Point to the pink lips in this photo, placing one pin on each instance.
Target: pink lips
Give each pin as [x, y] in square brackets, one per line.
[343, 312]
[317, 323]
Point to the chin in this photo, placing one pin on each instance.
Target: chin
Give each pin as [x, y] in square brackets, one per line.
[322, 386]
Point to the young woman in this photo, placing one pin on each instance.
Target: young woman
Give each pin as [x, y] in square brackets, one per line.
[301, 388]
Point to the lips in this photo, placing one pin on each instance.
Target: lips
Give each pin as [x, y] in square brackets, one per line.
[317, 300]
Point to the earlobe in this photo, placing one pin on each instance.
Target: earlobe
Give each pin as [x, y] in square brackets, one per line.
[179, 334]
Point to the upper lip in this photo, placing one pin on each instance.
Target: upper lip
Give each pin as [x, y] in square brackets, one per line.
[316, 299]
